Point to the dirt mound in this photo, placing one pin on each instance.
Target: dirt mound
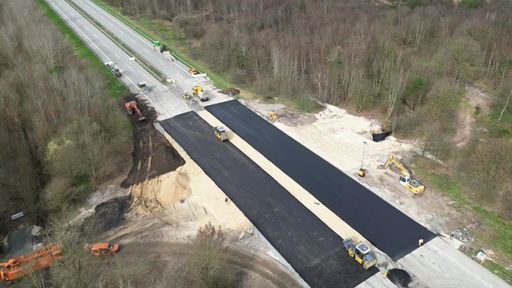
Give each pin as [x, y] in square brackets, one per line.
[230, 91]
[152, 155]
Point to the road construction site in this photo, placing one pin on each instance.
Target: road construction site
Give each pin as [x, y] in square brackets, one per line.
[268, 177]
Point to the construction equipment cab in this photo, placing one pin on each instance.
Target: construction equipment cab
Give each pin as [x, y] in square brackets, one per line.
[143, 87]
[33, 261]
[132, 108]
[200, 93]
[102, 249]
[405, 179]
[220, 133]
[360, 252]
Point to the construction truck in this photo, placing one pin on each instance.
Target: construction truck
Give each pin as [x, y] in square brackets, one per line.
[143, 87]
[220, 133]
[113, 68]
[405, 179]
[19, 266]
[200, 93]
[360, 252]
[103, 248]
[132, 108]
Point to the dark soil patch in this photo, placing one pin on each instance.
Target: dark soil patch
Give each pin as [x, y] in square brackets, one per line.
[107, 215]
[399, 277]
[20, 241]
[153, 155]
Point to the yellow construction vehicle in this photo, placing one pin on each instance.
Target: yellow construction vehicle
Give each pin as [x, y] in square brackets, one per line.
[360, 252]
[220, 133]
[200, 93]
[406, 180]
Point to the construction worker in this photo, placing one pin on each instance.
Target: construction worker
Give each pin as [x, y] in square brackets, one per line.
[420, 242]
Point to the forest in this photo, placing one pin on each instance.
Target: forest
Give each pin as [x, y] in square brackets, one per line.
[408, 63]
[61, 133]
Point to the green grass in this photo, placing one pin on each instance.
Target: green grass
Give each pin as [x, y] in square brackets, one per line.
[496, 233]
[449, 187]
[121, 17]
[115, 87]
[173, 40]
[499, 271]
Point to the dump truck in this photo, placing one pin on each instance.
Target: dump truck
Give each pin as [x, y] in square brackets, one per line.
[19, 266]
[360, 252]
[113, 68]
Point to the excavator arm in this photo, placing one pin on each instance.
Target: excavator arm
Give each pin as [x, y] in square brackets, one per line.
[406, 179]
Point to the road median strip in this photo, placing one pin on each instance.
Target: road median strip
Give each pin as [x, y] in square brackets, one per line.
[148, 67]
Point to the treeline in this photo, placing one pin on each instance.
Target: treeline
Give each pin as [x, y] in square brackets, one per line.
[60, 134]
[410, 61]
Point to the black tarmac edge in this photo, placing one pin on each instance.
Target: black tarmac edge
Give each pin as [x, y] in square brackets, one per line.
[311, 248]
[383, 225]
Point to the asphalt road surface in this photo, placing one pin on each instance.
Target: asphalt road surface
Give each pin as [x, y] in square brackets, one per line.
[139, 44]
[160, 97]
[311, 248]
[321, 262]
[383, 225]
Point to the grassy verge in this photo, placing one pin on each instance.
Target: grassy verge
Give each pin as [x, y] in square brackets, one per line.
[147, 66]
[153, 29]
[496, 233]
[115, 87]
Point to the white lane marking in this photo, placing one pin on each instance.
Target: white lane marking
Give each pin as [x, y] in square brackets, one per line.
[76, 28]
[121, 26]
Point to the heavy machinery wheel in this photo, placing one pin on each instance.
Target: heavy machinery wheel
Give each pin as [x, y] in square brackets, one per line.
[351, 253]
[365, 266]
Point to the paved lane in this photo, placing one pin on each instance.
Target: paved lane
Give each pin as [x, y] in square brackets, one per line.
[167, 104]
[311, 248]
[385, 226]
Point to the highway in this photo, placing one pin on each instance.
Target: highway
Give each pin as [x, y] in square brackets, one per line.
[307, 243]
[143, 47]
[311, 248]
[132, 71]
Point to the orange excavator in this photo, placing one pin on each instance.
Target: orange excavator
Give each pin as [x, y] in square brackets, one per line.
[33, 261]
[132, 108]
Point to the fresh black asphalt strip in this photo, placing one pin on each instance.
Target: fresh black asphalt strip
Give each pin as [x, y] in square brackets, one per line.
[382, 224]
[312, 249]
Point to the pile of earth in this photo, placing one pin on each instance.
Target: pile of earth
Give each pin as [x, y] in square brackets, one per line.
[152, 154]
[230, 91]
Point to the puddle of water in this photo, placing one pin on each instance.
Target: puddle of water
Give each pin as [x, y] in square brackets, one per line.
[399, 277]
